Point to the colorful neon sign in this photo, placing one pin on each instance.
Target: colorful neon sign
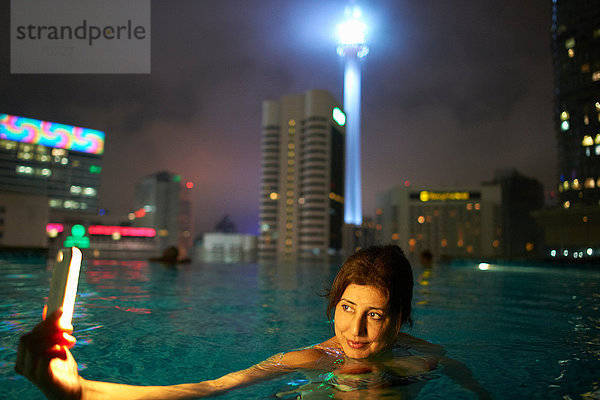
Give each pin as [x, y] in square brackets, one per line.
[51, 134]
[121, 230]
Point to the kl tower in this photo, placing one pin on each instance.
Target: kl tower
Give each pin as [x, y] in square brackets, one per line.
[352, 47]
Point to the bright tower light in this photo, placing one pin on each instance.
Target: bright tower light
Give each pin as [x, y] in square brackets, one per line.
[352, 46]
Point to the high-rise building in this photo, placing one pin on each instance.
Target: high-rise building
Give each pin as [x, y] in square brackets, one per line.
[572, 230]
[61, 162]
[521, 237]
[302, 182]
[576, 55]
[161, 202]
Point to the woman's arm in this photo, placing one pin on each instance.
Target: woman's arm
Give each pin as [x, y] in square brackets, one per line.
[44, 358]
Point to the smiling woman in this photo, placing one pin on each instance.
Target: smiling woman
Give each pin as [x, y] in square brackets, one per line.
[371, 297]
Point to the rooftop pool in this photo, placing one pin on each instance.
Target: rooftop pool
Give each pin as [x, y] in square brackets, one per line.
[524, 331]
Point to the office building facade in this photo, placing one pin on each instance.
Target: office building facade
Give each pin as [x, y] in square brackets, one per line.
[302, 176]
[449, 223]
[61, 162]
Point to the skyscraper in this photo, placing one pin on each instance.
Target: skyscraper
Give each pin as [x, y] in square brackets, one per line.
[61, 162]
[576, 56]
[572, 230]
[161, 202]
[302, 177]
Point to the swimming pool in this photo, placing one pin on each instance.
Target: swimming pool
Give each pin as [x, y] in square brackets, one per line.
[525, 332]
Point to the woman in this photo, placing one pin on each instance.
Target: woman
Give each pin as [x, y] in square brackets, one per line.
[370, 299]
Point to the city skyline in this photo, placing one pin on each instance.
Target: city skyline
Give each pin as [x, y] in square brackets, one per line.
[451, 93]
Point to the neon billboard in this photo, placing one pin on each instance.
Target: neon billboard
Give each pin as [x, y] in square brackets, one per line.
[51, 134]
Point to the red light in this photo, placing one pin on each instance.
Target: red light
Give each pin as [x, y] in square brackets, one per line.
[122, 230]
[407, 183]
[140, 213]
[58, 227]
[189, 185]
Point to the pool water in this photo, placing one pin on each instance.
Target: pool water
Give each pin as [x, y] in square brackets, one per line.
[524, 331]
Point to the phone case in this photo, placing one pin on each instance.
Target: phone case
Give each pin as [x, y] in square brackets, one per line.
[63, 287]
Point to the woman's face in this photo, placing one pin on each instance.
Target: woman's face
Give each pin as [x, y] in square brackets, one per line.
[361, 325]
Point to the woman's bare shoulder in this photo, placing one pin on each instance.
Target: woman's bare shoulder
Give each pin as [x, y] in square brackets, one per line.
[420, 344]
[310, 357]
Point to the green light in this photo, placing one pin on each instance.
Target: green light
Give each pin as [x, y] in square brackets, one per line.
[78, 231]
[78, 238]
[95, 169]
[339, 116]
[176, 178]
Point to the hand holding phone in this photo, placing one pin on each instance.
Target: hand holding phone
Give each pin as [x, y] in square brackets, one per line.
[63, 287]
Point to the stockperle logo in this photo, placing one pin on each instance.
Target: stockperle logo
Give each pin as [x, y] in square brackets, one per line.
[80, 36]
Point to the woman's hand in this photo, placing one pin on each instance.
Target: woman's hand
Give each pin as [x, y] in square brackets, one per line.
[44, 358]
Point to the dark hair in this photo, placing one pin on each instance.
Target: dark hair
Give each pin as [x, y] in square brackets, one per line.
[383, 267]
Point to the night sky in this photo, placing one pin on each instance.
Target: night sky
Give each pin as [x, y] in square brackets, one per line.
[452, 91]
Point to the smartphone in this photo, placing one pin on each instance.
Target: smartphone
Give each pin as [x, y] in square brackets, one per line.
[63, 287]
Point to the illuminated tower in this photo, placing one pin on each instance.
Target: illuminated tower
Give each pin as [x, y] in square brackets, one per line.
[352, 47]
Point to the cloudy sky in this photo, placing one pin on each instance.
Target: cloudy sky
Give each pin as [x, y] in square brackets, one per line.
[452, 91]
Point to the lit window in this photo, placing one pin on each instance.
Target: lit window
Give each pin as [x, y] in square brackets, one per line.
[585, 68]
[292, 122]
[88, 191]
[70, 204]
[59, 152]
[597, 139]
[589, 183]
[586, 119]
[596, 76]
[54, 203]
[290, 201]
[273, 196]
[496, 243]
[576, 184]
[571, 53]
[567, 204]
[564, 126]
[64, 161]
[444, 243]
[421, 219]
[587, 141]
[529, 246]
[564, 115]
[570, 43]
[75, 189]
